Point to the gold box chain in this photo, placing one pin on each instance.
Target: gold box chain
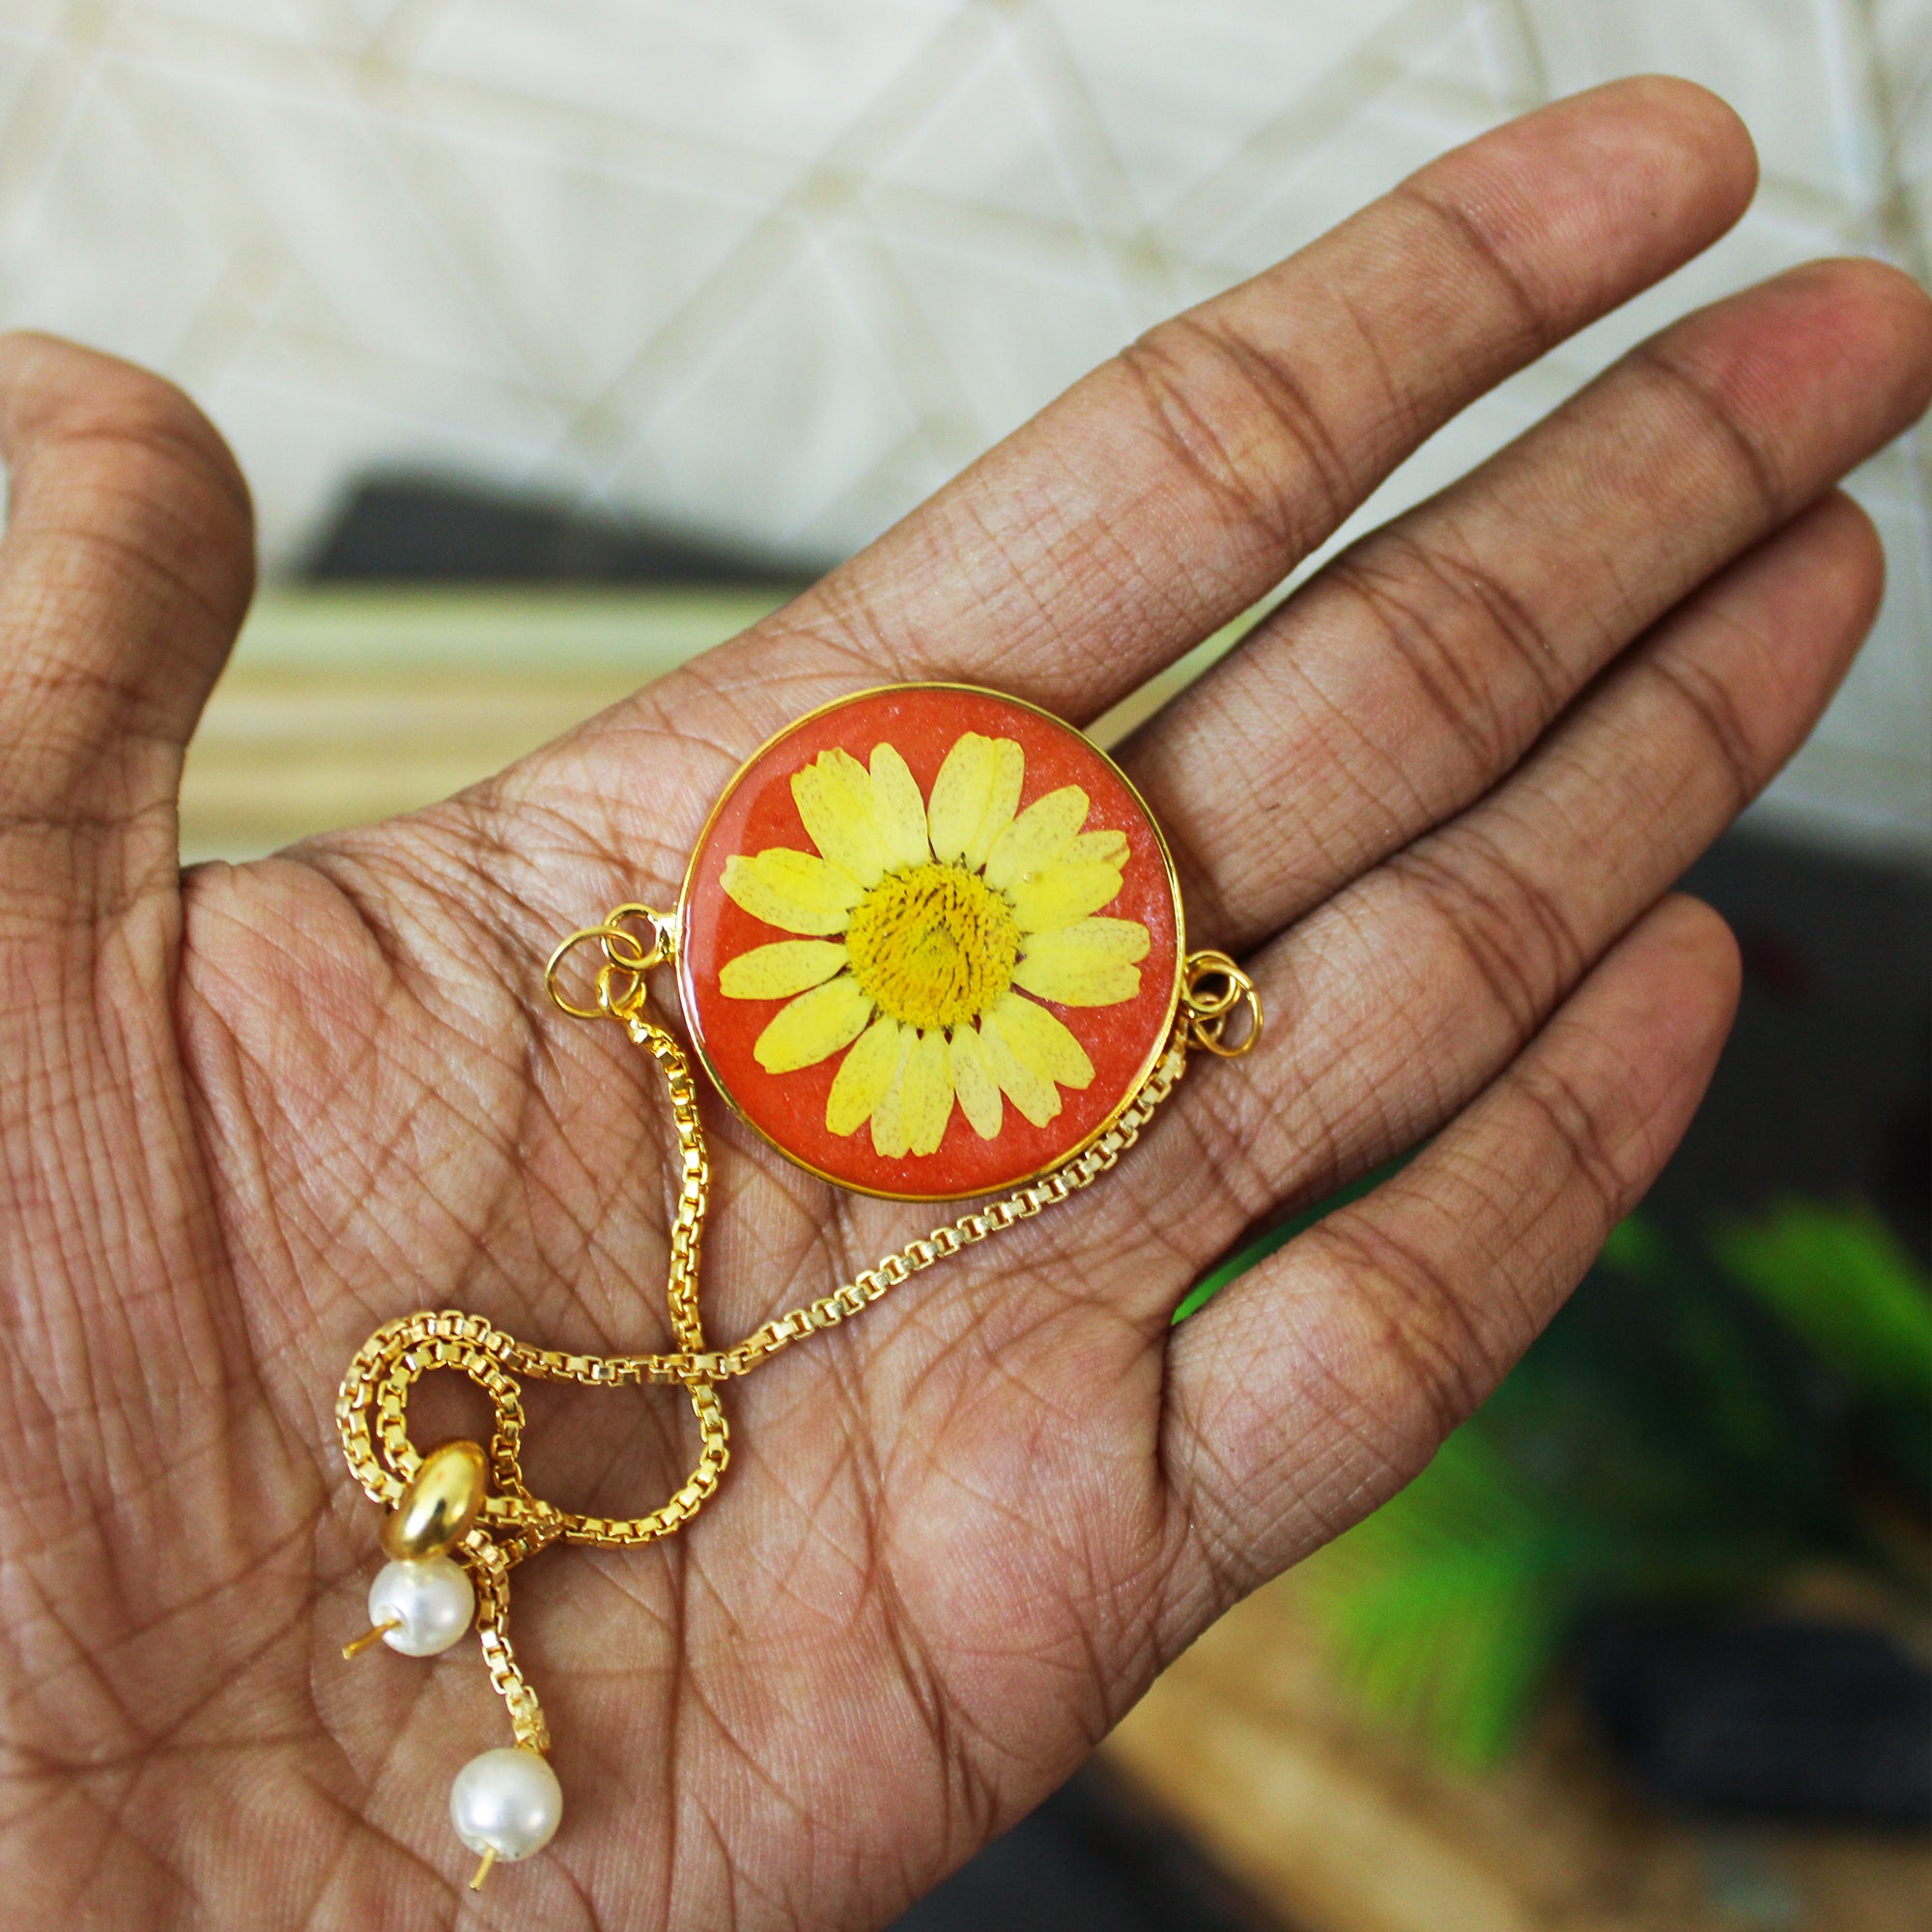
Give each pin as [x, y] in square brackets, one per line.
[372, 1405]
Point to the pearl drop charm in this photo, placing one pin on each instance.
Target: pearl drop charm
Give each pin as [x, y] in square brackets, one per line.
[505, 1805]
[427, 1605]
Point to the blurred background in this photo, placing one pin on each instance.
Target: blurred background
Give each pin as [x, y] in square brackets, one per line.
[562, 340]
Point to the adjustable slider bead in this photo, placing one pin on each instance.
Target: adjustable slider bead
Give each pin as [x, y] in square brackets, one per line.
[441, 1501]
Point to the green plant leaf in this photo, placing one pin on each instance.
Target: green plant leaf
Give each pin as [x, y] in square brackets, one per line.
[1445, 1607]
[1844, 1285]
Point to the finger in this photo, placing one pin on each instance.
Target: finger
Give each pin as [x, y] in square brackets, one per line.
[126, 568]
[1399, 1000]
[1170, 489]
[1165, 493]
[1418, 667]
[1392, 1007]
[1312, 1388]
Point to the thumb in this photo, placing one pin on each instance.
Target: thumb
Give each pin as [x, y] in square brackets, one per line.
[126, 568]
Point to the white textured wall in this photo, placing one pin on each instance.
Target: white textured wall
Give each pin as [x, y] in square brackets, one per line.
[776, 268]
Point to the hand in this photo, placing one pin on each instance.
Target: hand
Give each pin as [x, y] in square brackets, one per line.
[1437, 802]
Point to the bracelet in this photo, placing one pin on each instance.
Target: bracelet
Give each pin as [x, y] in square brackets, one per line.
[929, 947]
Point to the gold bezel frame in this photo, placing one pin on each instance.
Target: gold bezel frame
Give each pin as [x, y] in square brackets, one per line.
[1156, 1052]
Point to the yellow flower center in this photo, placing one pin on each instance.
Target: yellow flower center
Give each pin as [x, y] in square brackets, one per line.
[934, 946]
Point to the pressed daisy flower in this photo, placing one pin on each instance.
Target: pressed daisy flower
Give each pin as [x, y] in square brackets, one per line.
[922, 925]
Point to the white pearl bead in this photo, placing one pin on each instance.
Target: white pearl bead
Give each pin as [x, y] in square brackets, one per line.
[506, 1802]
[429, 1600]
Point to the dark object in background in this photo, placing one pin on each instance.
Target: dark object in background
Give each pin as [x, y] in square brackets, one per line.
[1765, 1718]
[1822, 1091]
[1088, 1859]
[427, 529]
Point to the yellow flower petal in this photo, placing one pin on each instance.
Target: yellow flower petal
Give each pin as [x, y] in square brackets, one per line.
[778, 970]
[889, 1117]
[1112, 847]
[864, 1075]
[978, 1090]
[928, 1093]
[1035, 838]
[1088, 963]
[960, 795]
[1038, 1098]
[1078, 983]
[835, 799]
[899, 811]
[1003, 800]
[814, 1025]
[797, 892]
[974, 798]
[1041, 1042]
[1107, 938]
[1064, 892]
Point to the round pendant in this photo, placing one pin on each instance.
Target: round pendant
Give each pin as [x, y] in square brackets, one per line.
[931, 942]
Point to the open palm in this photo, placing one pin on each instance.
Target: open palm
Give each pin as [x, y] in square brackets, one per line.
[1434, 802]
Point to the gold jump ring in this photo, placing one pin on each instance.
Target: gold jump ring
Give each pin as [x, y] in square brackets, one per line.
[1208, 1010]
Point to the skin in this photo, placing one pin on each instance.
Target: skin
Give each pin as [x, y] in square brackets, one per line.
[1437, 802]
